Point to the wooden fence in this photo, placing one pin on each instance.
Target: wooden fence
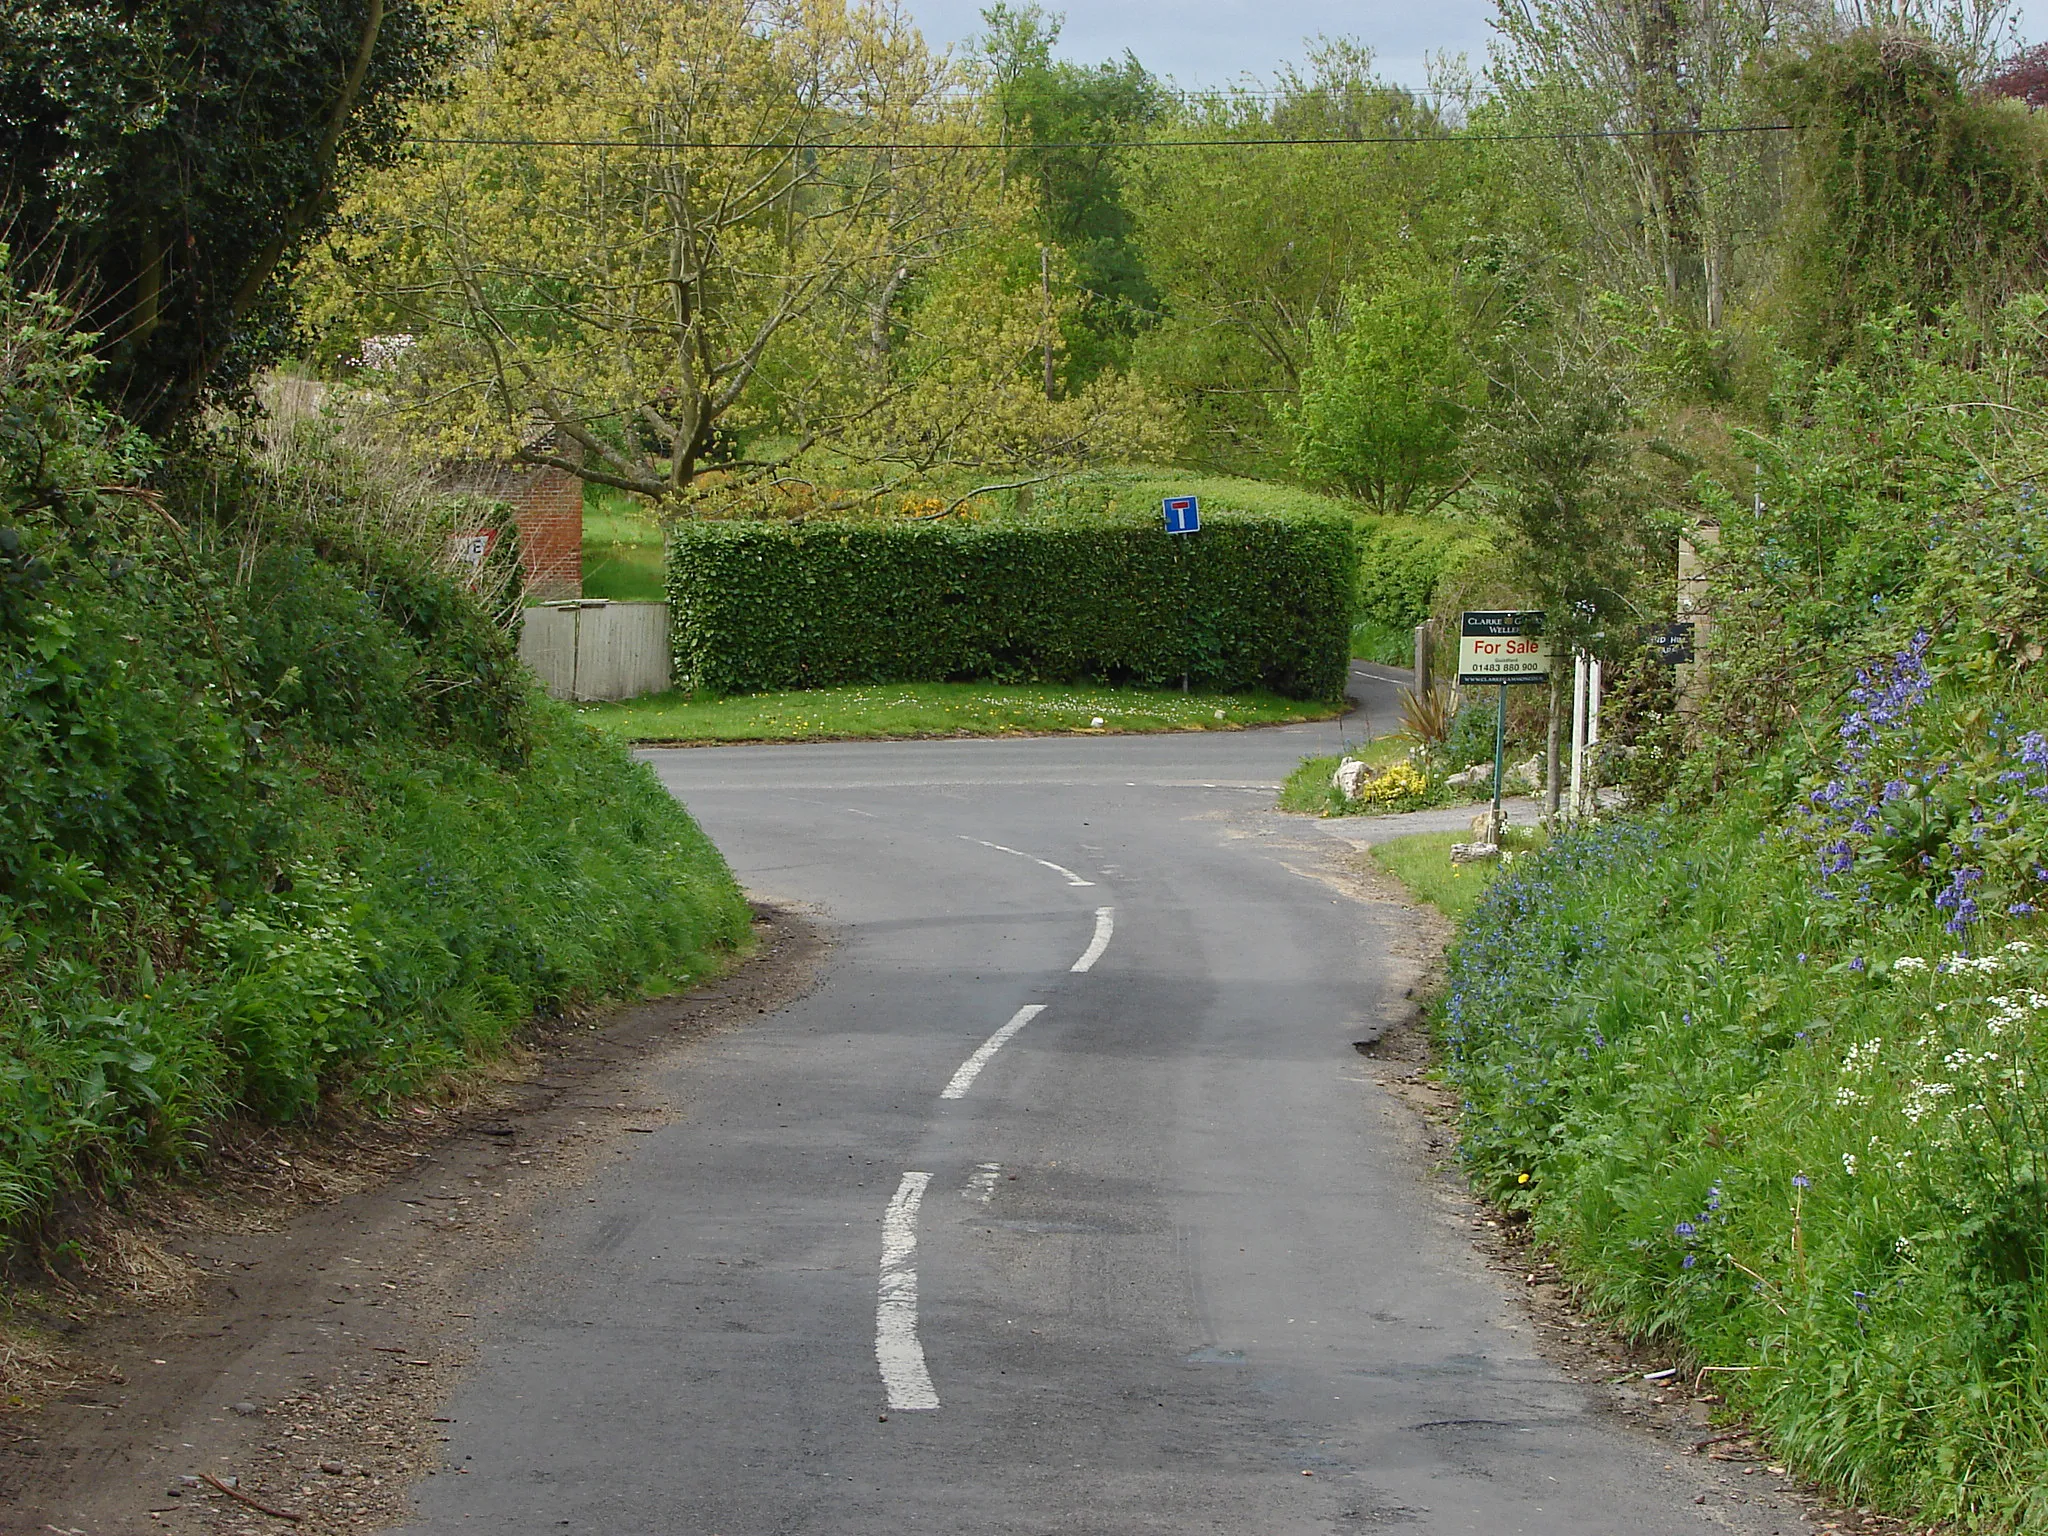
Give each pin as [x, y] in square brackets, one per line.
[594, 649]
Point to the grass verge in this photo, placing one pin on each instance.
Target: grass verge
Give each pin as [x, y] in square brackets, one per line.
[1309, 790]
[1422, 863]
[1799, 1141]
[939, 709]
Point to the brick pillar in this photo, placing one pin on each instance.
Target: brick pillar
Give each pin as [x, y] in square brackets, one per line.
[549, 514]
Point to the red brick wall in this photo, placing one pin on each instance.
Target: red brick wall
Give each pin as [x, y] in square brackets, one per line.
[549, 512]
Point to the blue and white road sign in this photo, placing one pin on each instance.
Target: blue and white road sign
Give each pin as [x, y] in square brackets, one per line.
[1183, 514]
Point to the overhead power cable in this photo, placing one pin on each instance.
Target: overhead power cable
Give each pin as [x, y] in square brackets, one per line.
[1333, 142]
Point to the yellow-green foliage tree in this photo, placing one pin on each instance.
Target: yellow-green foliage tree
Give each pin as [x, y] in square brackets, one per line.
[1385, 393]
[641, 234]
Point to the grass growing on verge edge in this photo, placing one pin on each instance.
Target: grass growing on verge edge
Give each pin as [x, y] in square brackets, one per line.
[939, 709]
[1311, 789]
[1422, 863]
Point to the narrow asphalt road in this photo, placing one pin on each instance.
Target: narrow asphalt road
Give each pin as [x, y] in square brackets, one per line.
[1063, 1203]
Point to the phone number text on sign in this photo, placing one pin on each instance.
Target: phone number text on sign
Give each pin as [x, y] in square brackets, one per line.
[1502, 648]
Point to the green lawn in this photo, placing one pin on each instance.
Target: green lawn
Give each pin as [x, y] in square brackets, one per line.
[621, 550]
[1423, 864]
[939, 709]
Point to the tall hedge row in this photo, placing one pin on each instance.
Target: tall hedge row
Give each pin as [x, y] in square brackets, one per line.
[1251, 600]
[1401, 561]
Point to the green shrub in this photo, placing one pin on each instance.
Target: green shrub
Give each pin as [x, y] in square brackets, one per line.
[1401, 560]
[280, 817]
[1253, 599]
[1385, 393]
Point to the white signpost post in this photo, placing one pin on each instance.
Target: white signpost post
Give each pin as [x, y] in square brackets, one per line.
[1501, 648]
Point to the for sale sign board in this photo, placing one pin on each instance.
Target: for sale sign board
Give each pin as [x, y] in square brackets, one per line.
[1502, 648]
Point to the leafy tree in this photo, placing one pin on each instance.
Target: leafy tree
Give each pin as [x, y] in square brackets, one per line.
[1065, 121]
[1385, 394]
[644, 232]
[168, 162]
[1645, 93]
[1573, 511]
[1248, 245]
[1914, 191]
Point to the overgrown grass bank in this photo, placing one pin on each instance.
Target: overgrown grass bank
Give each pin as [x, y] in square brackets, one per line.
[939, 709]
[1773, 1081]
[281, 819]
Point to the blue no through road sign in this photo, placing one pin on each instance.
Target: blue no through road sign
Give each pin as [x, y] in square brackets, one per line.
[1183, 514]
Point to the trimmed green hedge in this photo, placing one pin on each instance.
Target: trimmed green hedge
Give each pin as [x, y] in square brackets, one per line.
[1253, 599]
[1401, 561]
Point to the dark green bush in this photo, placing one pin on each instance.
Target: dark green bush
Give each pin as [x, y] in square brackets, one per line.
[1253, 599]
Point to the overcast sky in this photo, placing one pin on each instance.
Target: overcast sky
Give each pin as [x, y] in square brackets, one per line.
[1214, 42]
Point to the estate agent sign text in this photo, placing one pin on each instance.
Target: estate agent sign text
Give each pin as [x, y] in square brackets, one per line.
[1502, 648]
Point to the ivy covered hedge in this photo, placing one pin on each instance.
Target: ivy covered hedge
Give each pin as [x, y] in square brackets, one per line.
[1253, 599]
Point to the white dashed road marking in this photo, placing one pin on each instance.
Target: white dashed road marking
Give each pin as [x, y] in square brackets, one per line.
[1058, 869]
[981, 1184]
[897, 1350]
[970, 1069]
[1105, 925]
